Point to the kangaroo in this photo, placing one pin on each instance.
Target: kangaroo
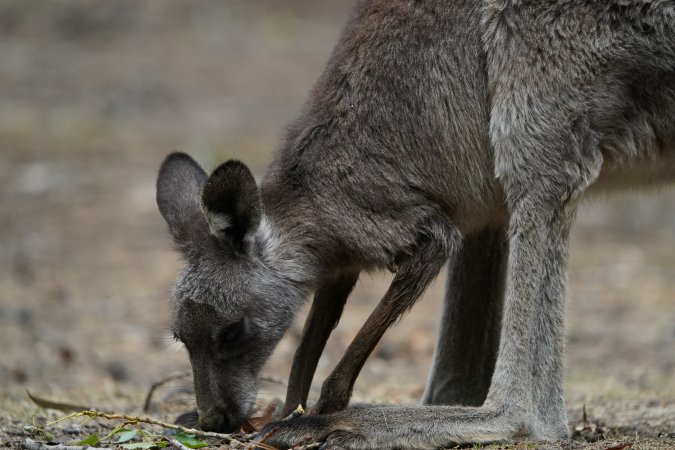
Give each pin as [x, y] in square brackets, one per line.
[465, 131]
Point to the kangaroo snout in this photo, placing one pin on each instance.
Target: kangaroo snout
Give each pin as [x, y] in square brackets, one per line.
[219, 420]
[222, 410]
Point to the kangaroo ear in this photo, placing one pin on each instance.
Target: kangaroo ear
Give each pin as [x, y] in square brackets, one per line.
[231, 204]
[179, 185]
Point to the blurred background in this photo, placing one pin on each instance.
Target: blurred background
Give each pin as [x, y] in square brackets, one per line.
[94, 94]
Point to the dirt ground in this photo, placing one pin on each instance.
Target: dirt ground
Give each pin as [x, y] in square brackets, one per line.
[94, 94]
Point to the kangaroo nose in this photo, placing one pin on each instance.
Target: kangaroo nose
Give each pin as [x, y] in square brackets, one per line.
[218, 420]
[212, 421]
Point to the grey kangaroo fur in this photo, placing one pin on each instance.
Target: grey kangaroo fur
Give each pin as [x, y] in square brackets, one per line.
[464, 130]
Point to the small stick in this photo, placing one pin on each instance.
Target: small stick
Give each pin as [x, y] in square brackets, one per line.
[584, 418]
[158, 384]
[261, 442]
[134, 419]
[34, 445]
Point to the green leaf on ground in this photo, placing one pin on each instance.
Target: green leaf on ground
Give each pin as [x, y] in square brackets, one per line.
[92, 439]
[190, 440]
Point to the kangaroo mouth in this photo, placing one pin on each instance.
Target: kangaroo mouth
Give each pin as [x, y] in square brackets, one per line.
[188, 419]
[220, 421]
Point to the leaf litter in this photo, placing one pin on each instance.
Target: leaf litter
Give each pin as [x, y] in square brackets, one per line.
[140, 438]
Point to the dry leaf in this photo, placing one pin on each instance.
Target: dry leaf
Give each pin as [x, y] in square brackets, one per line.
[48, 404]
[620, 446]
[256, 423]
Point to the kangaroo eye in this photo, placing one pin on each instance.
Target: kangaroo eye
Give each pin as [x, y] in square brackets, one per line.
[232, 333]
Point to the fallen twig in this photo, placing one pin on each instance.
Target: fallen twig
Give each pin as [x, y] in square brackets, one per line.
[35, 445]
[261, 443]
[132, 420]
[160, 383]
[584, 417]
[244, 440]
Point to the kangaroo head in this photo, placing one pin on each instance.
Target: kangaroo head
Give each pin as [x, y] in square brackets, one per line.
[230, 305]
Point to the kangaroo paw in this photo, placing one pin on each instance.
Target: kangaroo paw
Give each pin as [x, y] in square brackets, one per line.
[332, 430]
